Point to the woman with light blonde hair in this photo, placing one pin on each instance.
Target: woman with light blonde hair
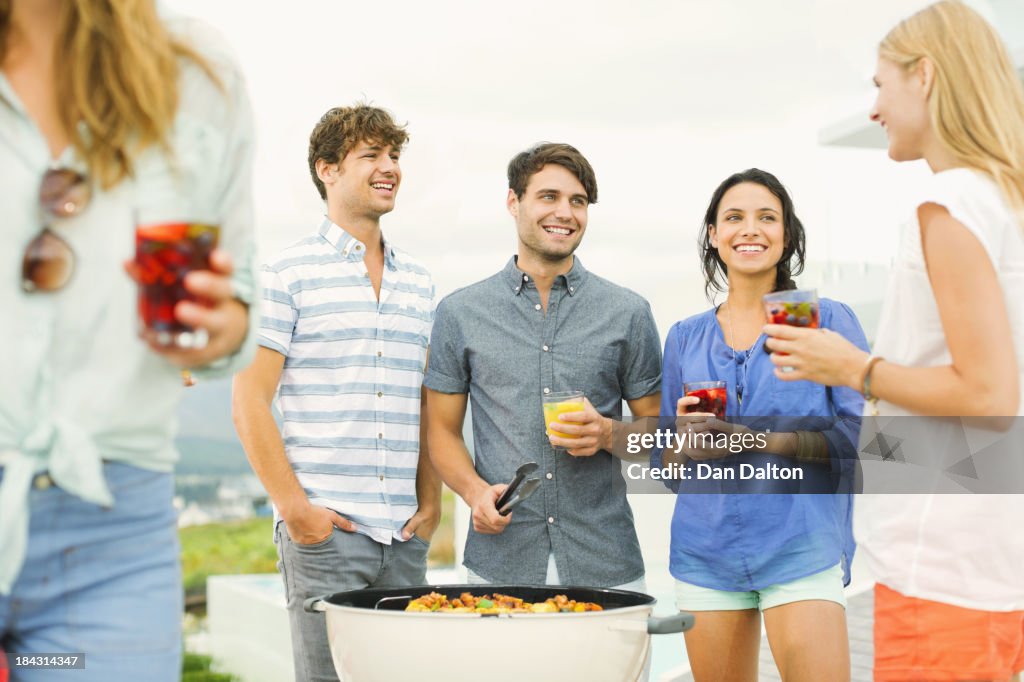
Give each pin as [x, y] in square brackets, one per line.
[108, 115]
[949, 603]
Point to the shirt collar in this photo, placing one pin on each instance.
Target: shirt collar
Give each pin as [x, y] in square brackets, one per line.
[350, 247]
[571, 280]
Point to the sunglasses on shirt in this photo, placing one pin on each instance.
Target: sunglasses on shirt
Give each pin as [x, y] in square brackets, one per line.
[49, 262]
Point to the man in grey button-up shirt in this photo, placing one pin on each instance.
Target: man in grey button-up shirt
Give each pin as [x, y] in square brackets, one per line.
[543, 324]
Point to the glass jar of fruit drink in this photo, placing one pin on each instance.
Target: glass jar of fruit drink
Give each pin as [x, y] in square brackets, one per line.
[164, 253]
[557, 404]
[796, 307]
[713, 397]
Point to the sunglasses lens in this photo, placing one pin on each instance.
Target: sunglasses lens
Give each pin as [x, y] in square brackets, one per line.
[64, 193]
[47, 264]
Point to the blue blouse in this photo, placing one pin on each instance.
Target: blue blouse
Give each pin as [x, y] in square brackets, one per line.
[725, 539]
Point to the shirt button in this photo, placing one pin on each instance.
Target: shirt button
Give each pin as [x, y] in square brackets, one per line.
[545, 348]
[380, 435]
[359, 247]
[550, 475]
[537, 307]
[551, 519]
[42, 482]
[366, 275]
[380, 394]
[382, 477]
[379, 353]
[526, 278]
[571, 289]
[547, 390]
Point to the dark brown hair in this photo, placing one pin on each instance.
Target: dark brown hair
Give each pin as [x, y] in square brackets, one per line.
[523, 166]
[791, 262]
[342, 128]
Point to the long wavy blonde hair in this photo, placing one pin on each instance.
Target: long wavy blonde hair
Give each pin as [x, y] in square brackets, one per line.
[116, 82]
[977, 101]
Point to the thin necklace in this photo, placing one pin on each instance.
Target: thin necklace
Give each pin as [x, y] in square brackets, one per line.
[732, 347]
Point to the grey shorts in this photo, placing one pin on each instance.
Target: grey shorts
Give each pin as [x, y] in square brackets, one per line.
[344, 561]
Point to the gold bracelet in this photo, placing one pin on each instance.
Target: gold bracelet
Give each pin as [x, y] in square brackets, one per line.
[811, 446]
[868, 397]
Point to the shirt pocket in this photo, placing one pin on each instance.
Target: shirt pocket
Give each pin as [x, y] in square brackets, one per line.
[596, 373]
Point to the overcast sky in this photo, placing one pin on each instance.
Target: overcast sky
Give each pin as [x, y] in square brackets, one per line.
[665, 98]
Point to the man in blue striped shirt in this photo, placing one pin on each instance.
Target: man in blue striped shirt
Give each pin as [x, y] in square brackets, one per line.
[346, 321]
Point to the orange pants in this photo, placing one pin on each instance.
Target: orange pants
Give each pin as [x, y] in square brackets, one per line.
[918, 639]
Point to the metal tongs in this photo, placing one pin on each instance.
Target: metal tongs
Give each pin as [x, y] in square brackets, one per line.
[519, 488]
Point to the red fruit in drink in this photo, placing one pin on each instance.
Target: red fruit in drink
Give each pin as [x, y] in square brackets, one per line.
[712, 400]
[165, 253]
[793, 313]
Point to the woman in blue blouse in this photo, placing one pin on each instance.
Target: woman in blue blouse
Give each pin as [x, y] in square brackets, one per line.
[737, 555]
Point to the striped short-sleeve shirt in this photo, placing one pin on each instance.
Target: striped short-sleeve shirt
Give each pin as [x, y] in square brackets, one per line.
[350, 387]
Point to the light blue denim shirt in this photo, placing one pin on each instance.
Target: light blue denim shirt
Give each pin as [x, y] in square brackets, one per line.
[79, 386]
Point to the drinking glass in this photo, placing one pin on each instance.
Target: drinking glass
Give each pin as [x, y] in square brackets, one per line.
[713, 397]
[557, 404]
[165, 252]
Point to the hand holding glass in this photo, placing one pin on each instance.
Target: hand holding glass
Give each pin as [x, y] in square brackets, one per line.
[164, 254]
[796, 308]
[713, 396]
[557, 404]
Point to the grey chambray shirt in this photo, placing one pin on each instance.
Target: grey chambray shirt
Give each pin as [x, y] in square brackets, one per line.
[493, 340]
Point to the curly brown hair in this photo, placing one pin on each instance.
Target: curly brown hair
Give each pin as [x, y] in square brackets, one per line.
[342, 128]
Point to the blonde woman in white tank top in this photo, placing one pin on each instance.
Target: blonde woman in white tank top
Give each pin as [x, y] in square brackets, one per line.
[950, 599]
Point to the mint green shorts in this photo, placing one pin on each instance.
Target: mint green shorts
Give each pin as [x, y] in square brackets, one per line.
[826, 585]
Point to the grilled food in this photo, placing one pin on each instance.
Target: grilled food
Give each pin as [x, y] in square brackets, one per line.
[498, 603]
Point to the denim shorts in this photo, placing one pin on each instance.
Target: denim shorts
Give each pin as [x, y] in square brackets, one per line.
[825, 585]
[101, 582]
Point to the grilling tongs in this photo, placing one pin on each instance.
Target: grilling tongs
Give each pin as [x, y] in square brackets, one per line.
[519, 488]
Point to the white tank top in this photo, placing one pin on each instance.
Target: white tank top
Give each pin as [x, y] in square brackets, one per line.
[967, 549]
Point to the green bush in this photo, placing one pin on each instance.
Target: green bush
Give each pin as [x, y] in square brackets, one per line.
[226, 548]
[207, 676]
[195, 663]
[196, 668]
[238, 547]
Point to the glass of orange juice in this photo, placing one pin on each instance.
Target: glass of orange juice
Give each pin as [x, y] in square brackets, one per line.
[557, 404]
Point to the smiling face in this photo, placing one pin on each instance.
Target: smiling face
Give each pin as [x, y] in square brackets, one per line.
[365, 182]
[902, 108]
[551, 216]
[748, 231]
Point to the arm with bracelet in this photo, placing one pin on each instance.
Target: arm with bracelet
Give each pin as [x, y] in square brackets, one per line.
[982, 377]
